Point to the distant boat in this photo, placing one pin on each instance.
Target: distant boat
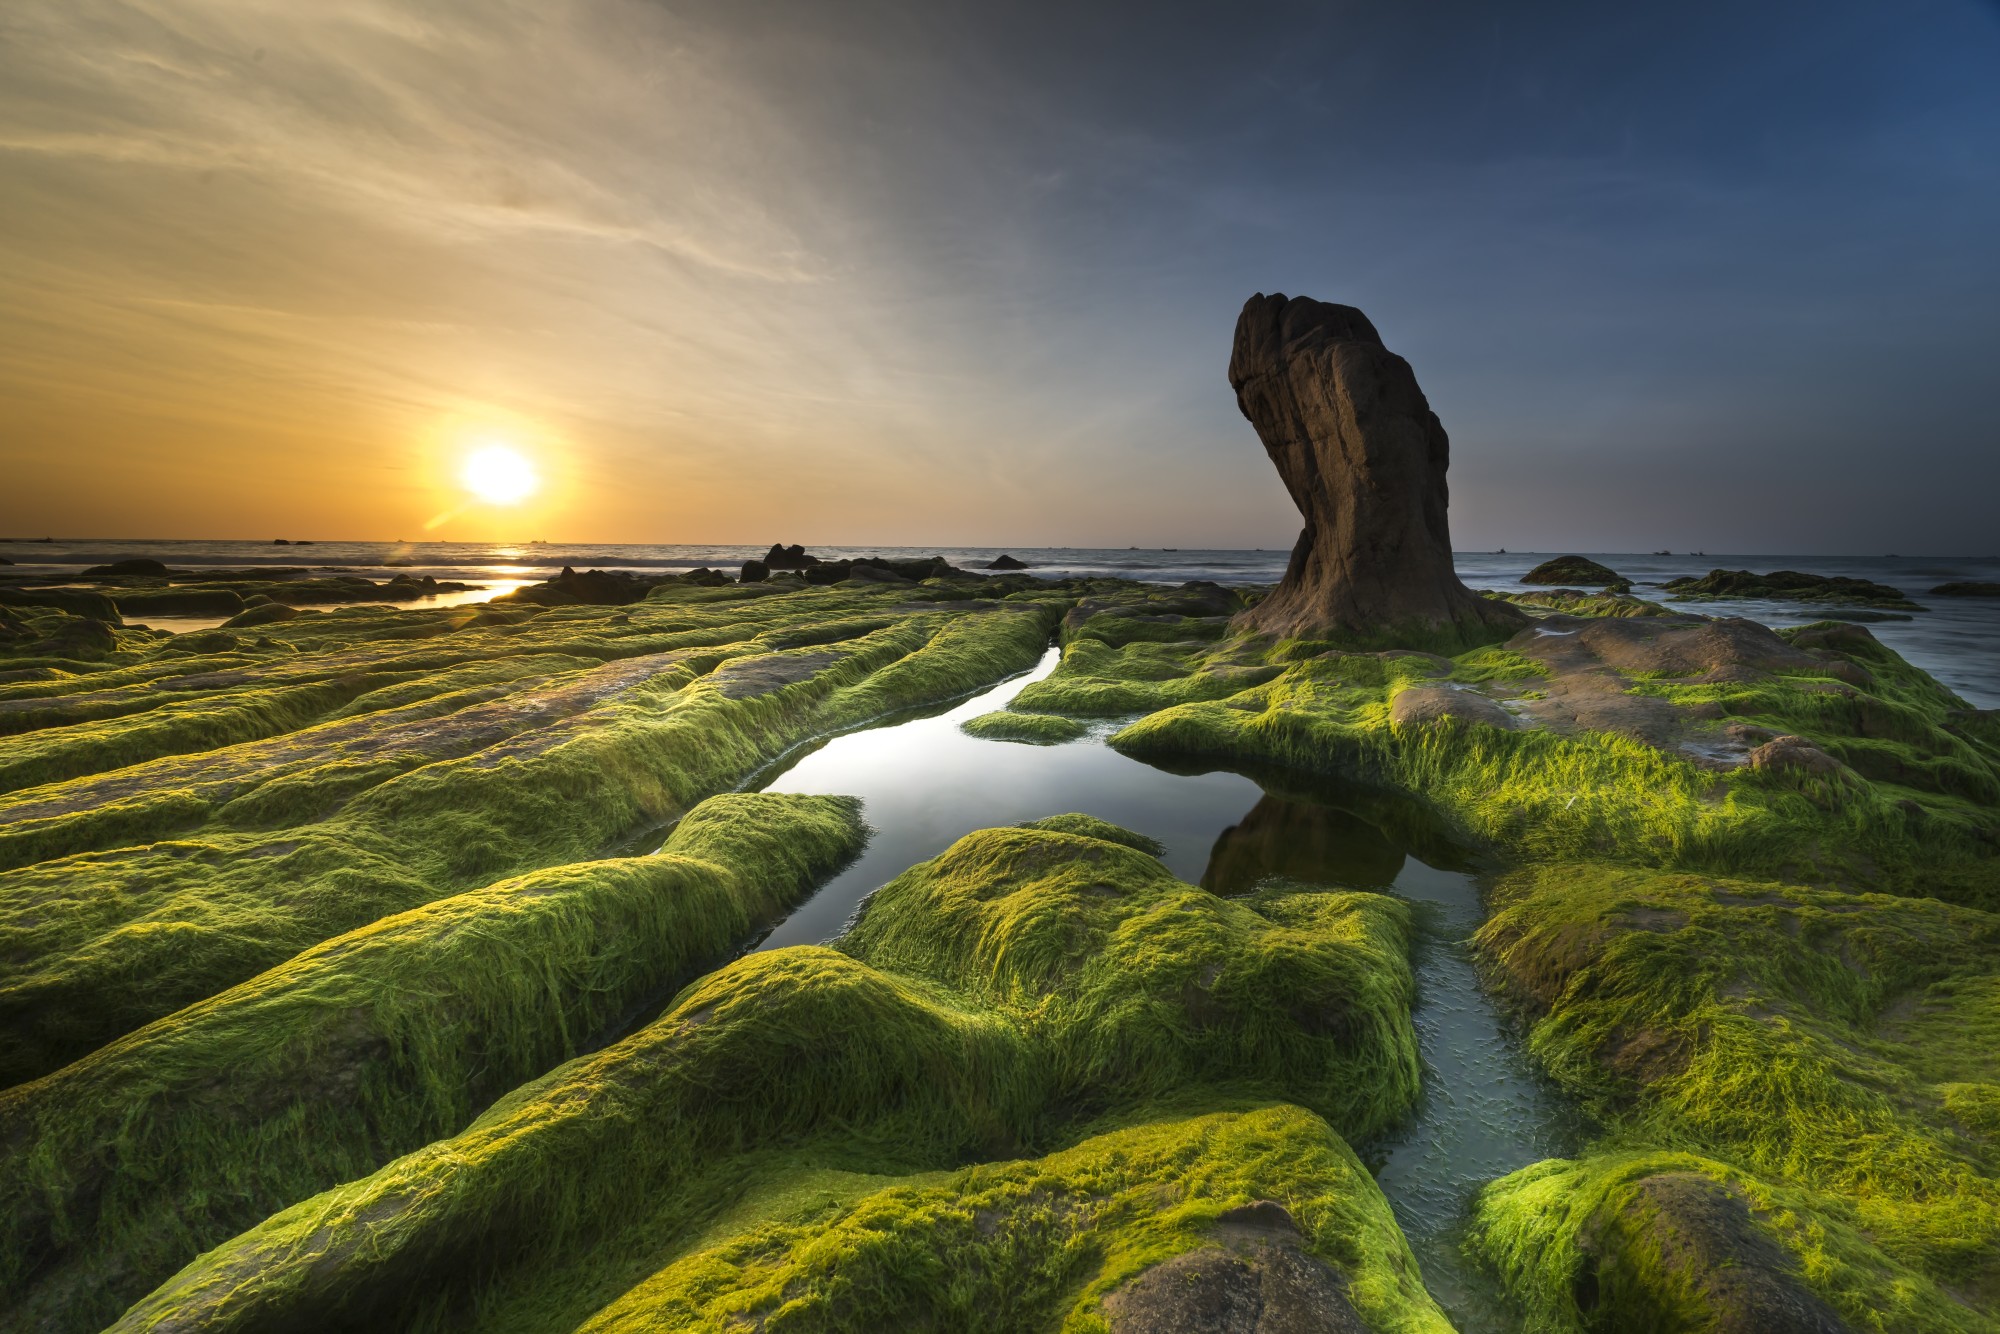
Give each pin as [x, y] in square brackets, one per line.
[1170, 548]
[1663, 553]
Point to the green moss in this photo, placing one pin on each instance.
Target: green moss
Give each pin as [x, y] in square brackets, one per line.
[1574, 602]
[1656, 1241]
[1824, 1043]
[468, 770]
[920, 1056]
[1038, 1244]
[1038, 729]
[1535, 793]
[1089, 826]
[122, 1166]
[1143, 984]
[1098, 680]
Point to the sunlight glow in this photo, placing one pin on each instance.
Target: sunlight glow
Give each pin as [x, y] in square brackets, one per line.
[499, 475]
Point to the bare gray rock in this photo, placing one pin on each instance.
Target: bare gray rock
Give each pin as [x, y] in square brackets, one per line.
[1364, 458]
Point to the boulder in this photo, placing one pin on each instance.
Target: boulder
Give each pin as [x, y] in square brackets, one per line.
[1364, 459]
[793, 557]
[1794, 753]
[754, 572]
[265, 613]
[74, 601]
[1966, 588]
[1004, 562]
[1682, 1250]
[1255, 1276]
[1577, 570]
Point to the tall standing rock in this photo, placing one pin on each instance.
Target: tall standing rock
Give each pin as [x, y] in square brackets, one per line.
[1364, 458]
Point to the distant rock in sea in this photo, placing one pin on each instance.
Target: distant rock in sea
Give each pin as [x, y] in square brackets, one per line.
[1577, 570]
[1006, 563]
[1364, 458]
[792, 557]
[1788, 586]
[1966, 589]
[136, 565]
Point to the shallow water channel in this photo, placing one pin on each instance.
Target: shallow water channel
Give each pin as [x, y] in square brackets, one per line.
[1485, 1110]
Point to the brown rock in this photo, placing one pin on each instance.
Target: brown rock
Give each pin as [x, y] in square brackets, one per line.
[1257, 1279]
[1364, 458]
[1680, 1250]
[1794, 753]
[1418, 705]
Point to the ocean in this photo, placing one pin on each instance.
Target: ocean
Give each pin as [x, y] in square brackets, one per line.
[1957, 640]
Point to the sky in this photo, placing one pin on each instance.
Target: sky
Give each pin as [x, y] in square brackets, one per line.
[1684, 276]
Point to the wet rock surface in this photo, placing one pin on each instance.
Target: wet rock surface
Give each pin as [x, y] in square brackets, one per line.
[1364, 458]
[1790, 586]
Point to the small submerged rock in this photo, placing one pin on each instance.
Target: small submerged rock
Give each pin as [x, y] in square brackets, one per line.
[1967, 588]
[136, 565]
[1006, 562]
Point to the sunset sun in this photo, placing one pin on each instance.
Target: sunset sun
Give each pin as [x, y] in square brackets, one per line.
[499, 475]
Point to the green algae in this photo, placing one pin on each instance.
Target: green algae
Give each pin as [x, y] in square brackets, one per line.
[1822, 1047]
[123, 1165]
[1089, 826]
[1038, 729]
[905, 1059]
[1040, 1243]
[1145, 984]
[1538, 793]
[1802, 1068]
[147, 887]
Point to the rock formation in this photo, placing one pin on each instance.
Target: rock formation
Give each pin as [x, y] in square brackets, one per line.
[1579, 571]
[1364, 458]
[1005, 562]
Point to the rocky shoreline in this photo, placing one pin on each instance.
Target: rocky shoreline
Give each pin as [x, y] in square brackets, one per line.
[335, 1000]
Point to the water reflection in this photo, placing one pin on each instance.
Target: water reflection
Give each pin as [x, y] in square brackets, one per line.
[1485, 1110]
[1289, 839]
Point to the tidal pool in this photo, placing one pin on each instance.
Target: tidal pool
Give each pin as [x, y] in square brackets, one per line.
[1485, 1110]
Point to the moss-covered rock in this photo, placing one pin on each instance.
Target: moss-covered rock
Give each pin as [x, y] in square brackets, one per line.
[1081, 981]
[124, 1165]
[1037, 729]
[1625, 738]
[1151, 1227]
[1819, 1045]
[1788, 586]
[231, 806]
[1580, 570]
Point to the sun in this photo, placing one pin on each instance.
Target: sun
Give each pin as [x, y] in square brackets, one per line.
[499, 475]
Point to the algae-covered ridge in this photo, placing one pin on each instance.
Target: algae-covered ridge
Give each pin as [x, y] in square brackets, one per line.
[330, 1004]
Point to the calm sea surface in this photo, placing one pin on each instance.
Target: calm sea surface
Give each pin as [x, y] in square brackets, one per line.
[1955, 639]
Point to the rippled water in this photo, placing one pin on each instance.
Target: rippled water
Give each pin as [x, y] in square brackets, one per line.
[1485, 1110]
